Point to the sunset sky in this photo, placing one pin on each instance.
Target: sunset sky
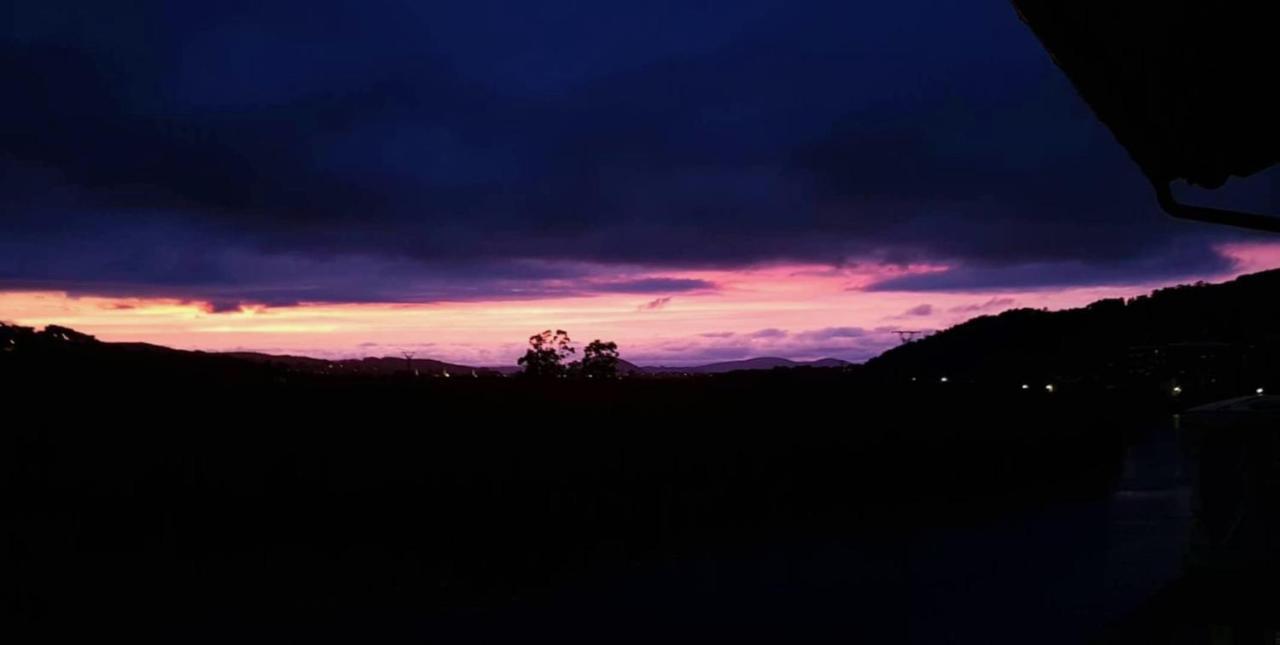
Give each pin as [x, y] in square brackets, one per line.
[697, 181]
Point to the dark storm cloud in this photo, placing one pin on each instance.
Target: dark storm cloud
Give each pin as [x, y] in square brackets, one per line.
[284, 152]
[1175, 261]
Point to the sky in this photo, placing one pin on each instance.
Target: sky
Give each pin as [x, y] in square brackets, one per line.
[696, 180]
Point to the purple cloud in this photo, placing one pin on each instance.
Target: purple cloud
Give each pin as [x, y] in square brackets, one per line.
[657, 303]
[996, 302]
[829, 333]
[652, 285]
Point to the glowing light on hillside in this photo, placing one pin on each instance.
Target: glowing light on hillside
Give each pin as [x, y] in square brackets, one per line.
[1049, 388]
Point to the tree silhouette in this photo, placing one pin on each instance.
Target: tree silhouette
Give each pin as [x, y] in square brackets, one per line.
[600, 360]
[546, 354]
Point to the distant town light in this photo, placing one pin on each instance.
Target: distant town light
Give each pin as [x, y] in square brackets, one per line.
[943, 379]
[1026, 387]
[1049, 388]
[1259, 390]
[1177, 389]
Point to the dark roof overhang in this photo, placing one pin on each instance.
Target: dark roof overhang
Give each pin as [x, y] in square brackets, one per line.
[1188, 88]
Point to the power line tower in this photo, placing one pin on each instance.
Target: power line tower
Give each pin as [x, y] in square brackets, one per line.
[408, 362]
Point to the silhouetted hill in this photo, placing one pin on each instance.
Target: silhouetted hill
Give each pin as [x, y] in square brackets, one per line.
[765, 363]
[370, 366]
[762, 363]
[628, 368]
[58, 348]
[1225, 335]
[827, 362]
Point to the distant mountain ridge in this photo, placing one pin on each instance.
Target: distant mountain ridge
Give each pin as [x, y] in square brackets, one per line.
[432, 367]
[364, 366]
[761, 363]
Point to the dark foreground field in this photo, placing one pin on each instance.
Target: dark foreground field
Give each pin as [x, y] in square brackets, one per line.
[808, 505]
